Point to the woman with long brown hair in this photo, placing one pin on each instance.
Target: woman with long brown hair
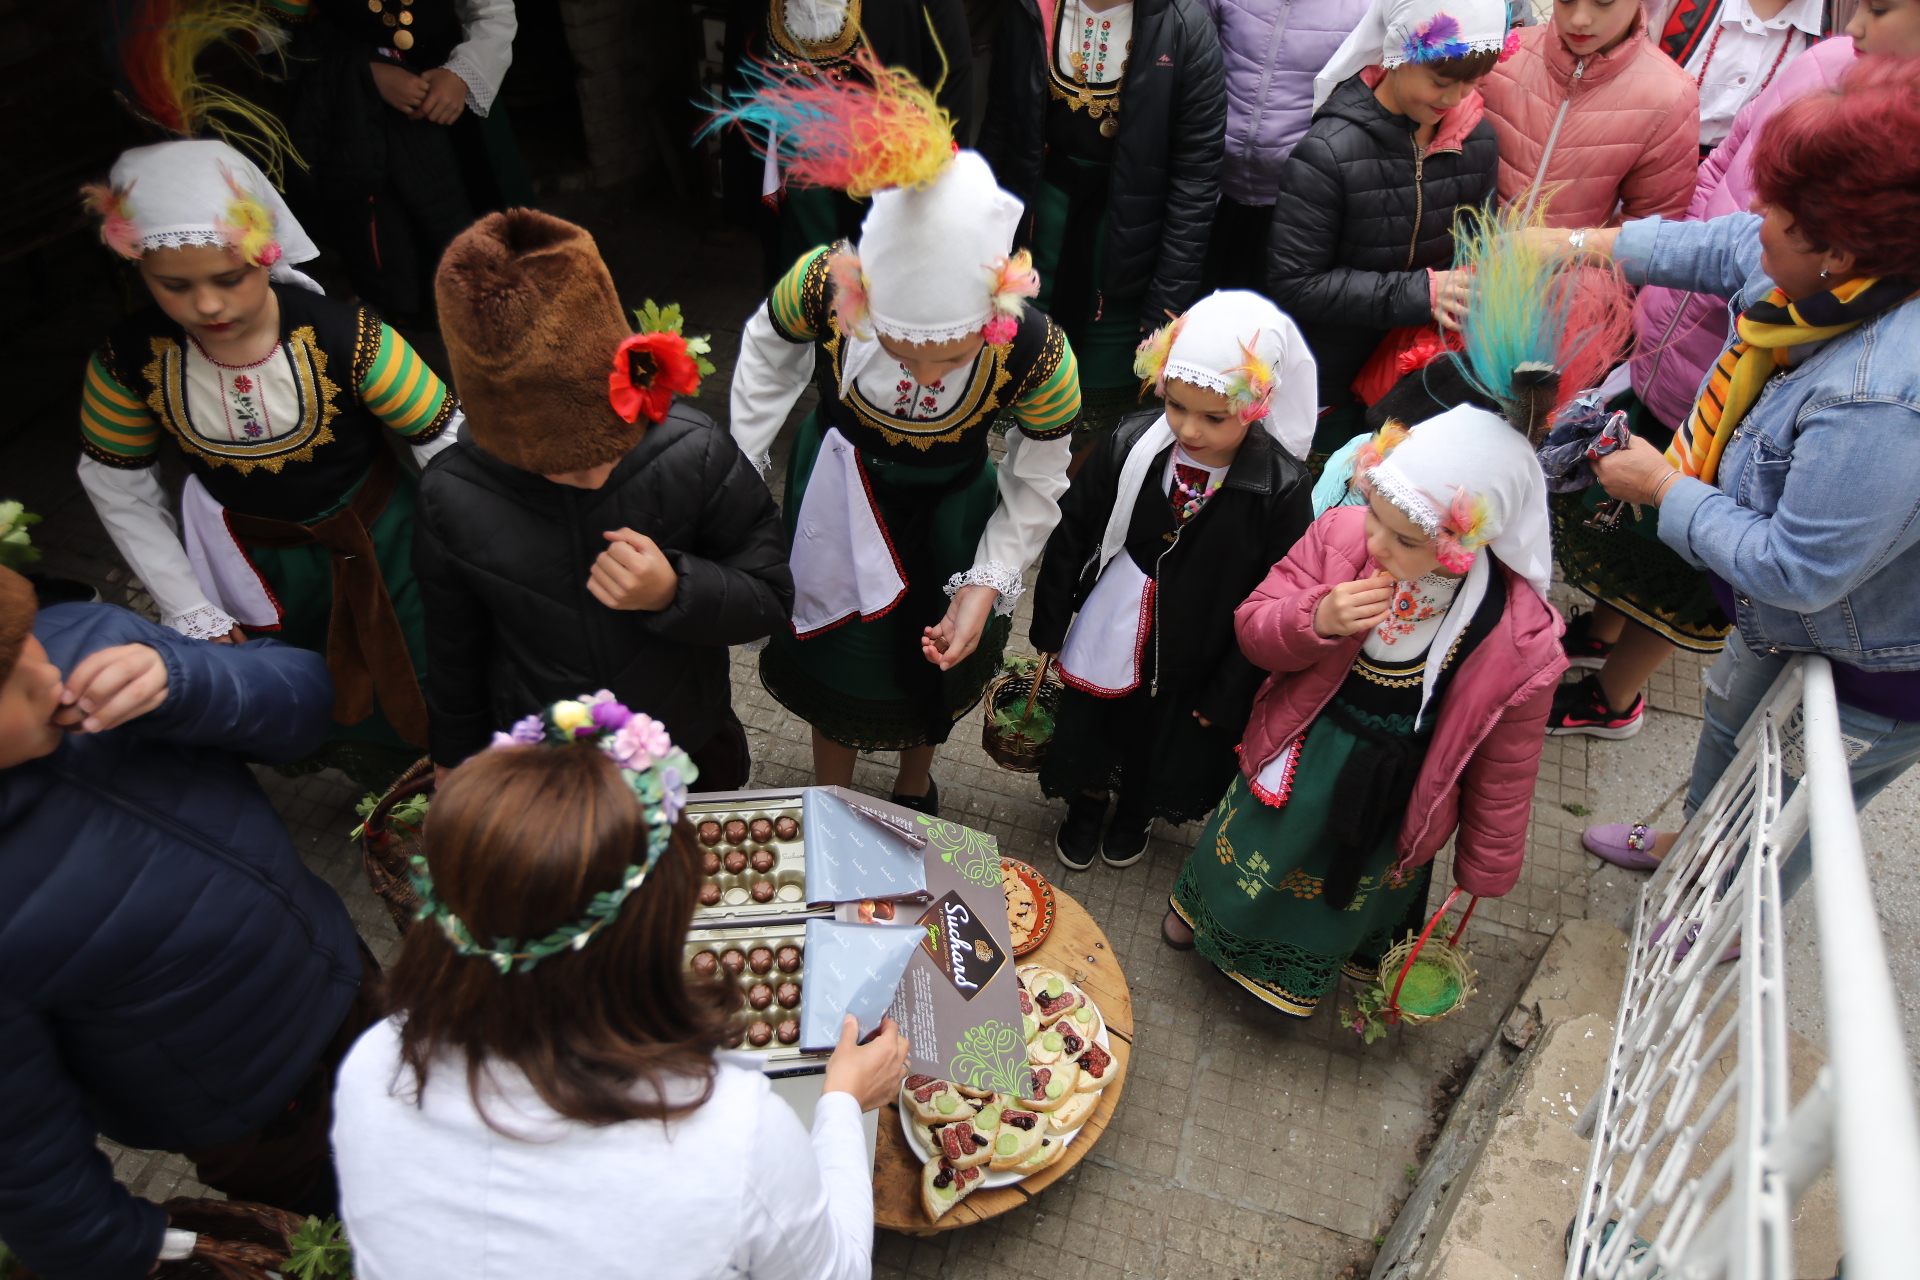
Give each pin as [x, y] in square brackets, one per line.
[555, 1100]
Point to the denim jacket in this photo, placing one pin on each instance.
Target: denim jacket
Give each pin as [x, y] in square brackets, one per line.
[1816, 515]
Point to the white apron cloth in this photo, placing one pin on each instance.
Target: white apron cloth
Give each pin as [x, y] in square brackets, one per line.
[843, 565]
[225, 571]
[1103, 649]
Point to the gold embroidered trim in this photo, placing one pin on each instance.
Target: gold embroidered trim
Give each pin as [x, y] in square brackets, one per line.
[165, 374]
[1096, 101]
[978, 403]
[1373, 673]
[823, 51]
[366, 346]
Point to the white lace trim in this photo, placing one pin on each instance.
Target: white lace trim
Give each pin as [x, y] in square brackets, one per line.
[991, 573]
[480, 93]
[902, 332]
[185, 238]
[1399, 55]
[1185, 372]
[203, 623]
[1408, 499]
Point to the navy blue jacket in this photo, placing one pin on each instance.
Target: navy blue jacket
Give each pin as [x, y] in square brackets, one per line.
[169, 971]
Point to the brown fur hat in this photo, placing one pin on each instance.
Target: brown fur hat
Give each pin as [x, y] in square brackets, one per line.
[531, 321]
[17, 609]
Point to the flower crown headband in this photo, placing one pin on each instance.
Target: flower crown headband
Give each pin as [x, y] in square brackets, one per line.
[653, 366]
[247, 227]
[1458, 535]
[1248, 386]
[1013, 279]
[657, 772]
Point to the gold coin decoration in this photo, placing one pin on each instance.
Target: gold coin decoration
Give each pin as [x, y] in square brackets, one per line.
[1109, 127]
[406, 19]
[374, 6]
[403, 41]
[389, 19]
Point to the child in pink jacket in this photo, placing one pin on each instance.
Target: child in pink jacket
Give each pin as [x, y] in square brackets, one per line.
[1413, 658]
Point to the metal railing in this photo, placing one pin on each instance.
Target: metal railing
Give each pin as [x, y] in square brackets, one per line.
[1699, 1055]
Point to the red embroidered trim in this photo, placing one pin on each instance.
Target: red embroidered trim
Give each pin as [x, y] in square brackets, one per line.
[280, 610]
[1139, 652]
[1278, 799]
[867, 486]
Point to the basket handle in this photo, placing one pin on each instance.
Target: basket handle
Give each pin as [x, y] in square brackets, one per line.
[417, 778]
[1393, 1001]
[1039, 674]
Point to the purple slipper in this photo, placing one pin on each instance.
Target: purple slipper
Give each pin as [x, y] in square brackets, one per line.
[1621, 843]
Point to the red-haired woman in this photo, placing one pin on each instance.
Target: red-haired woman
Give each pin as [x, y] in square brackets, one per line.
[1796, 480]
[552, 1101]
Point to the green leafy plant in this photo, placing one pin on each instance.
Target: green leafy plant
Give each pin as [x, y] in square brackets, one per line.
[667, 319]
[1366, 1016]
[16, 547]
[1578, 810]
[404, 819]
[1035, 726]
[319, 1251]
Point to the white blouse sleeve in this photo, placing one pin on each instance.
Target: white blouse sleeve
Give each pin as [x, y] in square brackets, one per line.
[133, 507]
[769, 377]
[448, 434]
[815, 1221]
[485, 53]
[1033, 476]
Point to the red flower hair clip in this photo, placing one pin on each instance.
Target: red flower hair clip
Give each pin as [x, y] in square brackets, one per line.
[653, 366]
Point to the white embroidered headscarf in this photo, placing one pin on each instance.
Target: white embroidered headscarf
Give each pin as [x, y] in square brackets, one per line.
[1470, 480]
[1238, 344]
[932, 255]
[201, 192]
[1397, 31]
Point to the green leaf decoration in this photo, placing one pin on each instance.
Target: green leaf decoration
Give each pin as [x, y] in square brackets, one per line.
[16, 547]
[974, 854]
[992, 1056]
[667, 319]
[318, 1251]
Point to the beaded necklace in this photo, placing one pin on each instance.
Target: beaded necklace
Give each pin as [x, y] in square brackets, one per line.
[1700, 79]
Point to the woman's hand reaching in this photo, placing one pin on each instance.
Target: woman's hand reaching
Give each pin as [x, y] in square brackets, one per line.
[871, 1072]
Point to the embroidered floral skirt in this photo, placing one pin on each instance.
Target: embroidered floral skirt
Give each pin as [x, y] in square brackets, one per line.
[1252, 888]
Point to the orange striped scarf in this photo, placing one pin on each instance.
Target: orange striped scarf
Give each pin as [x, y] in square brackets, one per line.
[1769, 335]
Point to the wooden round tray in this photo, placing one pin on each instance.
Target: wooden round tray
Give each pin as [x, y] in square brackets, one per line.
[1079, 950]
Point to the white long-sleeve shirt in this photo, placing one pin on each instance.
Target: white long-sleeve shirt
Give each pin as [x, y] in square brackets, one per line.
[737, 1189]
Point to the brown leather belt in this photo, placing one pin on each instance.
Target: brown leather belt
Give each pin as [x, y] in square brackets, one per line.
[366, 649]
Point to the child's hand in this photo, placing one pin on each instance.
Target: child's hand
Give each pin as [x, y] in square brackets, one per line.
[1449, 297]
[958, 634]
[1353, 607]
[110, 687]
[632, 573]
[445, 99]
[399, 88]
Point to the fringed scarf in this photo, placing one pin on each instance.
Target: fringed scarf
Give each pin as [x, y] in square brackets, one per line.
[1769, 333]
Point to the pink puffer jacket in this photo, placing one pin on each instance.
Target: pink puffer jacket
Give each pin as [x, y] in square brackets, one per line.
[1629, 128]
[1683, 333]
[1480, 767]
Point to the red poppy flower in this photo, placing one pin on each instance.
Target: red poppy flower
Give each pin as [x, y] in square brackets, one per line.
[649, 370]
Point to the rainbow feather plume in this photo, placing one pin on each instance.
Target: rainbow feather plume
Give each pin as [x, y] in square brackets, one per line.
[849, 290]
[1375, 451]
[249, 226]
[113, 206]
[1435, 40]
[1150, 357]
[155, 47]
[1250, 386]
[876, 129]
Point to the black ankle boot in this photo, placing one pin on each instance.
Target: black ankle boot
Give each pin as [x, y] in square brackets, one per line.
[1079, 836]
[928, 804]
[1126, 840]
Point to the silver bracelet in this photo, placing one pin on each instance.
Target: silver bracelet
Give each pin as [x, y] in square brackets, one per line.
[1577, 240]
[1661, 488]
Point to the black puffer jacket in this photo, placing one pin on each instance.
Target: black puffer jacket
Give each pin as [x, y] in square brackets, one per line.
[1167, 156]
[1215, 562]
[502, 556]
[1359, 220]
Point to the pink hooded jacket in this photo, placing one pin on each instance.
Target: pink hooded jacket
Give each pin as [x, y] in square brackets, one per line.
[1683, 333]
[1479, 771]
[1628, 128]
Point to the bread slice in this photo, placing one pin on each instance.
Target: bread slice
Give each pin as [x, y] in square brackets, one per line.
[1072, 1113]
[1054, 997]
[963, 1146]
[1097, 1069]
[1084, 1021]
[934, 1101]
[1054, 1084]
[1029, 1018]
[1019, 1136]
[938, 1199]
[1047, 1048]
[1051, 1149]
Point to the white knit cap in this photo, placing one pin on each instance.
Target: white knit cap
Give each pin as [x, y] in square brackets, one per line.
[930, 254]
[1397, 31]
[1212, 344]
[177, 195]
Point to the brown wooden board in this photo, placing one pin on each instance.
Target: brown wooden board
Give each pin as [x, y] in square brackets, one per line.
[1078, 950]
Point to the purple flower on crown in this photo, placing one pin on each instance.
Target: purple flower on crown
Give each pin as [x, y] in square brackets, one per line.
[1435, 39]
[608, 716]
[640, 741]
[673, 794]
[528, 731]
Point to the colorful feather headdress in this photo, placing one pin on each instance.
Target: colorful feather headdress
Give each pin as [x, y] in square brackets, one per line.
[1540, 328]
[193, 193]
[155, 47]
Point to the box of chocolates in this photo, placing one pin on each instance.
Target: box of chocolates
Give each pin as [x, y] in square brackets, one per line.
[769, 966]
[753, 854]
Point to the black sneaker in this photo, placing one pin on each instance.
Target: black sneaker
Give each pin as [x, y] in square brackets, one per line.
[1079, 836]
[1126, 840]
[1582, 708]
[928, 804]
[1581, 648]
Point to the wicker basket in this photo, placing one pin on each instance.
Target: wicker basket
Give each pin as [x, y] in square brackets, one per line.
[1011, 751]
[386, 853]
[1446, 953]
[237, 1241]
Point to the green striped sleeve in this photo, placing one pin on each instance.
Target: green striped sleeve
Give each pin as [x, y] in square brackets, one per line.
[295, 9]
[115, 427]
[798, 303]
[1050, 399]
[400, 390]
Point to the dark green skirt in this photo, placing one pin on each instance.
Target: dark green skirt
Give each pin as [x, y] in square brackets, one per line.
[1628, 567]
[372, 751]
[1252, 888]
[844, 682]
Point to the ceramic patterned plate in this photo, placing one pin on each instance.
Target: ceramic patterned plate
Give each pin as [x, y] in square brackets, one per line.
[1030, 905]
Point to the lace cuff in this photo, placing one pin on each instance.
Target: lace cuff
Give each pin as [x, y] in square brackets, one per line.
[480, 93]
[203, 623]
[991, 573]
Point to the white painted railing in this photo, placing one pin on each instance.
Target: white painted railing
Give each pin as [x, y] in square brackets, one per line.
[1699, 1057]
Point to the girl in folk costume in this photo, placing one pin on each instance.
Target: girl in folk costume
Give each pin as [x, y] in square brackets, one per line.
[296, 519]
[1414, 656]
[1175, 517]
[909, 543]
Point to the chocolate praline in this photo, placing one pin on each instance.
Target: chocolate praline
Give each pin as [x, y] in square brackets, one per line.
[762, 891]
[760, 959]
[788, 959]
[760, 995]
[710, 863]
[761, 830]
[785, 828]
[759, 1034]
[733, 960]
[787, 1032]
[736, 831]
[733, 1039]
[788, 995]
[705, 964]
[762, 860]
[709, 895]
[709, 833]
[736, 862]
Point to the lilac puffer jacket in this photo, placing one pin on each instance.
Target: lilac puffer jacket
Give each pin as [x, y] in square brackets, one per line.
[1273, 49]
[1683, 333]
